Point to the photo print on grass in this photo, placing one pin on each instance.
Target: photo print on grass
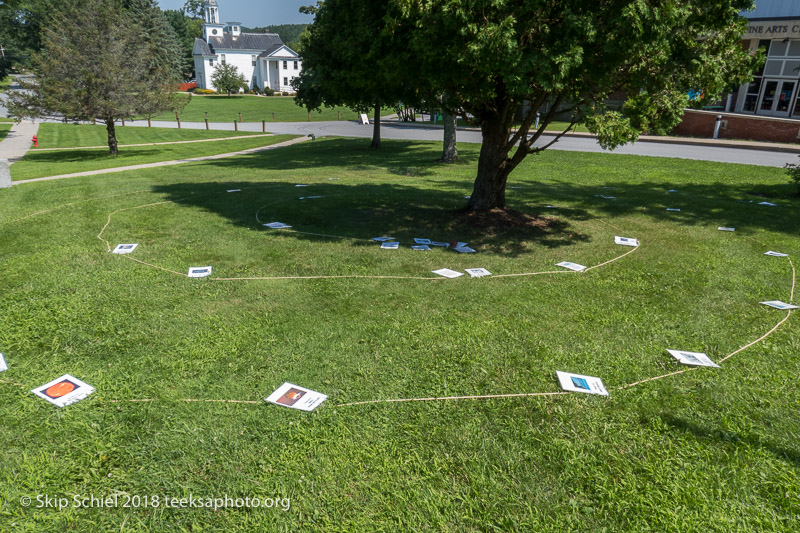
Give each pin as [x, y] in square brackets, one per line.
[390, 245]
[783, 306]
[776, 254]
[3, 365]
[199, 272]
[572, 266]
[693, 358]
[447, 273]
[477, 272]
[64, 390]
[277, 225]
[625, 241]
[580, 383]
[296, 397]
[125, 248]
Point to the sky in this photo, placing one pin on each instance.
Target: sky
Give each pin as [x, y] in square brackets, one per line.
[253, 13]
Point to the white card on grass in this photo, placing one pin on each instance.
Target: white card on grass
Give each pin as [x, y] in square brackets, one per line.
[3, 365]
[478, 272]
[551, 207]
[277, 225]
[309, 197]
[579, 383]
[767, 203]
[199, 272]
[301, 185]
[604, 197]
[776, 254]
[446, 272]
[64, 390]
[382, 239]
[467, 197]
[422, 241]
[693, 358]
[672, 190]
[234, 190]
[625, 241]
[125, 248]
[464, 250]
[332, 179]
[440, 243]
[572, 266]
[673, 209]
[420, 247]
[390, 245]
[721, 228]
[777, 304]
[295, 397]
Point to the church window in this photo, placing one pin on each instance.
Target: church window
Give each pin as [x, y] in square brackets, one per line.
[295, 65]
[222, 58]
[253, 60]
[285, 65]
[286, 81]
[211, 62]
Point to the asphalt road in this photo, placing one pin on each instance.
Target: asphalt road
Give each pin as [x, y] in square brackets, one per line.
[389, 130]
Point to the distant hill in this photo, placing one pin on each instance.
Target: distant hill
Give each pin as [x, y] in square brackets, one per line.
[289, 33]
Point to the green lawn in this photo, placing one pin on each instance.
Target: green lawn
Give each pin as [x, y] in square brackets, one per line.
[37, 164]
[254, 109]
[707, 450]
[73, 135]
[4, 129]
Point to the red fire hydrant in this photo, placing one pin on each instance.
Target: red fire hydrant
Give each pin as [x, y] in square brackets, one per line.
[35, 141]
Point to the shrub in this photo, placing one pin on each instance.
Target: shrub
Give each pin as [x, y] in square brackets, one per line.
[286, 93]
[268, 91]
[256, 90]
[793, 170]
[204, 91]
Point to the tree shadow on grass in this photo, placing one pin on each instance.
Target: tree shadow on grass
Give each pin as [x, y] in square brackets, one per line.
[85, 156]
[733, 438]
[365, 211]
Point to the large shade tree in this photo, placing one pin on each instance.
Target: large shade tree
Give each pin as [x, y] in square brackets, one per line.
[501, 59]
[348, 60]
[95, 63]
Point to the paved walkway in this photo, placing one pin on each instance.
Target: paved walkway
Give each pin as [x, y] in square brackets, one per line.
[18, 141]
[164, 163]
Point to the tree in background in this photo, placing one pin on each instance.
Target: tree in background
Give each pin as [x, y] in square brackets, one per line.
[289, 33]
[347, 60]
[21, 26]
[93, 65]
[226, 78]
[186, 29]
[566, 56]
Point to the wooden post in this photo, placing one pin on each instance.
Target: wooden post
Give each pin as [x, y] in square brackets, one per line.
[240, 117]
[309, 117]
[206, 123]
[94, 122]
[273, 116]
[179, 123]
[338, 115]
[264, 126]
[206, 115]
[149, 124]
[235, 126]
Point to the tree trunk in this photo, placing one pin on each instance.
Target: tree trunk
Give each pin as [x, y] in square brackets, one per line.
[376, 128]
[494, 166]
[112, 136]
[449, 150]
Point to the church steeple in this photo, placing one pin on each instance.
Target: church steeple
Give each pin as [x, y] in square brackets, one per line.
[211, 25]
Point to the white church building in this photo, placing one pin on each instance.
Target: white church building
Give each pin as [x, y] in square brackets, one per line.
[262, 58]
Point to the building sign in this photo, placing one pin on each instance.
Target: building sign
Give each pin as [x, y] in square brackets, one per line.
[777, 29]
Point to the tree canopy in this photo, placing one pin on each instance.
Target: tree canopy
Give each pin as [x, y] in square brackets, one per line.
[501, 59]
[227, 79]
[347, 60]
[93, 65]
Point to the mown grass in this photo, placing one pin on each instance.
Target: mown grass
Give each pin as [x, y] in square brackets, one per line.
[4, 129]
[707, 450]
[37, 164]
[254, 109]
[52, 135]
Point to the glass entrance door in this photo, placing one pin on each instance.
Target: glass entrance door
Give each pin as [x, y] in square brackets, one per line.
[776, 98]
